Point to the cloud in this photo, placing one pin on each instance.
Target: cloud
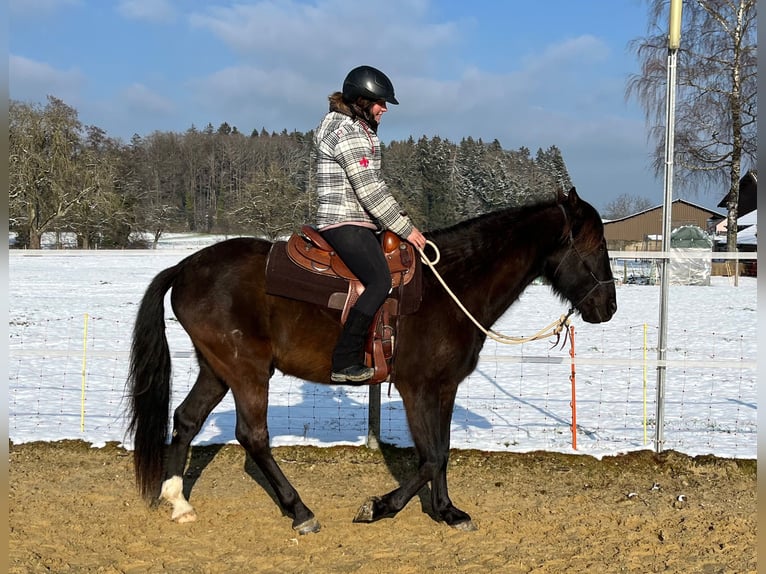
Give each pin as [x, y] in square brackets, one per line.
[241, 83]
[135, 109]
[288, 56]
[519, 106]
[32, 78]
[251, 97]
[580, 50]
[598, 133]
[557, 84]
[156, 11]
[328, 34]
[140, 100]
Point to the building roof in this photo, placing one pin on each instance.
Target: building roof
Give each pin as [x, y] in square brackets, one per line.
[710, 211]
[748, 192]
[748, 219]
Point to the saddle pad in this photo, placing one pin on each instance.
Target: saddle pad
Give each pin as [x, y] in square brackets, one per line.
[285, 278]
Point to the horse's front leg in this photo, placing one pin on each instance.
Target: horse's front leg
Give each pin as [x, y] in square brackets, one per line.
[377, 507]
[421, 409]
[440, 499]
[428, 415]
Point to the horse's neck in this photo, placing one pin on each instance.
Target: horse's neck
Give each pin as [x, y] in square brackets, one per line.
[490, 266]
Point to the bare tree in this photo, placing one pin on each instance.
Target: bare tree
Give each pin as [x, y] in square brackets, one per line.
[159, 184]
[52, 174]
[625, 205]
[65, 176]
[272, 207]
[716, 103]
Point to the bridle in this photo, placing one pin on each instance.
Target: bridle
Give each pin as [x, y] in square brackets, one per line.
[573, 248]
[555, 328]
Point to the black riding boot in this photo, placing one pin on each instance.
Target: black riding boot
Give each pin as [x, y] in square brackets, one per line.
[348, 356]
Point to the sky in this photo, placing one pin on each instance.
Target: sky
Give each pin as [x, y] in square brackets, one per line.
[67, 372]
[531, 74]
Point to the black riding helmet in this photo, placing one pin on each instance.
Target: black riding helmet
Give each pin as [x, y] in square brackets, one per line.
[368, 82]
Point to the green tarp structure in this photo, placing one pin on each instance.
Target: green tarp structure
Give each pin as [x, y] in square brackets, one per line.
[687, 265]
[690, 237]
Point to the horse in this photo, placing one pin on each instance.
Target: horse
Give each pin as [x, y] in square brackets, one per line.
[241, 335]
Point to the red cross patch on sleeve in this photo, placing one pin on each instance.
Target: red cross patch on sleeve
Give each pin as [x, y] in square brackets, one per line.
[364, 162]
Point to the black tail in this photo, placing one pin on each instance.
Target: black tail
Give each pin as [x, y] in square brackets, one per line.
[148, 386]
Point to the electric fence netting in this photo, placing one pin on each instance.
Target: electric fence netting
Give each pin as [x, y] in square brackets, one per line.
[70, 328]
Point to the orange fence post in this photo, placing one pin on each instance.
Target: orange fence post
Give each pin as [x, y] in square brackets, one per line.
[572, 378]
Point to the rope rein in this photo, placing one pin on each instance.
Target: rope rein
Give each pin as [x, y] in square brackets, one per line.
[552, 330]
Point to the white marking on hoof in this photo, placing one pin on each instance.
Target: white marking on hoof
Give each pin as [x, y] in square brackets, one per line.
[188, 516]
[467, 526]
[308, 527]
[173, 492]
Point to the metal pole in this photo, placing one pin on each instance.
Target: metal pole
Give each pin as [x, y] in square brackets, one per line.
[674, 39]
[373, 418]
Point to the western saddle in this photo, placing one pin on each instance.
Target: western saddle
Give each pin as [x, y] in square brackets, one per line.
[309, 253]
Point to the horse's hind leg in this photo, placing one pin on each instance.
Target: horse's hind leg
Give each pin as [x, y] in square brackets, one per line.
[188, 419]
[253, 434]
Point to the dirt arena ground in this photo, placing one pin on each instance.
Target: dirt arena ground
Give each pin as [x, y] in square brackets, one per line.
[73, 508]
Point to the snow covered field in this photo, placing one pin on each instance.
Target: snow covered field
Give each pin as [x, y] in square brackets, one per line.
[71, 315]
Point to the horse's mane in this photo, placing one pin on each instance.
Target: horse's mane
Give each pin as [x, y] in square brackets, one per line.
[486, 233]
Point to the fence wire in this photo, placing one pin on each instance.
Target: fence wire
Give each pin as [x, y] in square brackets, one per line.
[66, 380]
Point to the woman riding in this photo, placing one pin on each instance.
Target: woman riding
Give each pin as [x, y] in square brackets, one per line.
[355, 205]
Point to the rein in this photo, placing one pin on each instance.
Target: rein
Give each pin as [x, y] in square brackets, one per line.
[553, 329]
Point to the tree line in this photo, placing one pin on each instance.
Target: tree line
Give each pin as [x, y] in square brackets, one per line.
[69, 177]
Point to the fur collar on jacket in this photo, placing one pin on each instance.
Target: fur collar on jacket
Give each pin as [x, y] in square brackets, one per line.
[359, 110]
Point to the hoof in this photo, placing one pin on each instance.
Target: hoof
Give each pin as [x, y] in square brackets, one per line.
[366, 512]
[307, 527]
[185, 517]
[466, 526]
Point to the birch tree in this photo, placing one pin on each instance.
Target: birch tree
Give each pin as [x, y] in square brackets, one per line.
[716, 101]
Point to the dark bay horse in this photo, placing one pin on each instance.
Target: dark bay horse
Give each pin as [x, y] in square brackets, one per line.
[241, 336]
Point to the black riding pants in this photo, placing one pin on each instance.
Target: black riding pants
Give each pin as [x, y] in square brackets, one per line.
[359, 248]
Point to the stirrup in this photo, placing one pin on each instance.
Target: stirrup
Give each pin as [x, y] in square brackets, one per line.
[353, 374]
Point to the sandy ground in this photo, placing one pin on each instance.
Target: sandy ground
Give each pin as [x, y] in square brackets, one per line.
[73, 508]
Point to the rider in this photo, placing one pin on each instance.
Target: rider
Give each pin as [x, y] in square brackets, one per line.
[355, 204]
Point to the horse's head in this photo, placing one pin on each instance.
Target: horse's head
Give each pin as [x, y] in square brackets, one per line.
[579, 269]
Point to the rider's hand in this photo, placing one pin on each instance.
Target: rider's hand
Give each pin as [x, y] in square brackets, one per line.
[417, 238]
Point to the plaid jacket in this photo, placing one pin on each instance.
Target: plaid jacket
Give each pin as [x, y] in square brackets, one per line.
[348, 178]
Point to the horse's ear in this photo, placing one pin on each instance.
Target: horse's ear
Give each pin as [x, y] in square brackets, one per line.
[573, 197]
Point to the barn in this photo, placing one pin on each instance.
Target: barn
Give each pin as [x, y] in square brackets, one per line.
[642, 231]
